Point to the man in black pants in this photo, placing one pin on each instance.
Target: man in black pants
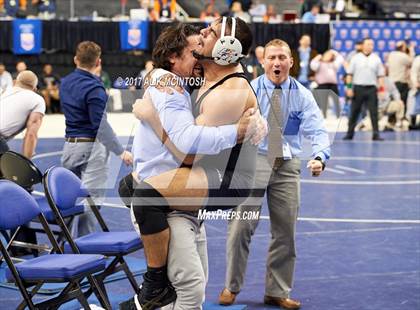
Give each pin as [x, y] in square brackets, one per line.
[365, 72]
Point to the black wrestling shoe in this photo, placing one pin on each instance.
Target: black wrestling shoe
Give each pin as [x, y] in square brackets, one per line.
[150, 299]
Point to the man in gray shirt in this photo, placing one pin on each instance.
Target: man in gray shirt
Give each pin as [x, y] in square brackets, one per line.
[365, 72]
[399, 63]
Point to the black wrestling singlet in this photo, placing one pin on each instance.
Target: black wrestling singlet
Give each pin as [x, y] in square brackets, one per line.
[236, 167]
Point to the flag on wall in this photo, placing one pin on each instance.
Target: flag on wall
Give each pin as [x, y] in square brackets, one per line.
[27, 36]
[134, 35]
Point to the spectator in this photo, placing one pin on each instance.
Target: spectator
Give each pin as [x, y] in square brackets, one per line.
[307, 5]
[365, 72]
[258, 9]
[390, 109]
[209, 13]
[20, 66]
[301, 60]
[399, 63]
[310, 17]
[415, 82]
[21, 108]
[14, 7]
[259, 60]
[49, 84]
[236, 11]
[147, 68]
[326, 67]
[271, 15]
[6, 81]
[45, 8]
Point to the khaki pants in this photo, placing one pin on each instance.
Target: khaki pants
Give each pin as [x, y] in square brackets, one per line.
[283, 199]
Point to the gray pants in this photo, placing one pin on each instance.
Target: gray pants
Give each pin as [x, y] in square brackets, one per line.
[283, 199]
[187, 262]
[89, 161]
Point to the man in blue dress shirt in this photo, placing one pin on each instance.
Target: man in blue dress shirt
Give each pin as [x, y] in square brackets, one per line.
[89, 137]
[292, 113]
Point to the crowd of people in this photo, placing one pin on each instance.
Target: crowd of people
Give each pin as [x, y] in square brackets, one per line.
[233, 139]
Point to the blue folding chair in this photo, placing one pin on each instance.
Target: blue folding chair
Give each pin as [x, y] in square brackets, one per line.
[17, 207]
[22, 171]
[111, 244]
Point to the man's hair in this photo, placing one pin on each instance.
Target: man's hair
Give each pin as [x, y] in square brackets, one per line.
[242, 32]
[172, 40]
[366, 39]
[278, 43]
[87, 53]
[27, 79]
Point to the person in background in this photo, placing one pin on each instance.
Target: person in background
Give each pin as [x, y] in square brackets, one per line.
[6, 81]
[13, 7]
[390, 109]
[399, 64]
[259, 59]
[415, 84]
[45, 8]
[89, 138]
[49, 84]
[326, 67]
[310, 17]
[237, 11]
[21, 108]
[147, 68]
[301, 60]
[365, 79]
[271, 15]
[209, 13]
[20, 66]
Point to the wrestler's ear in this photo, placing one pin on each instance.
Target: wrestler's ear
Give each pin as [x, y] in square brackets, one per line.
[291, 62]
[172, 58]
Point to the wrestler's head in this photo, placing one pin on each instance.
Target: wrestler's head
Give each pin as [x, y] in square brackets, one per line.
[212, 33]
[173, 49]
[277, 60]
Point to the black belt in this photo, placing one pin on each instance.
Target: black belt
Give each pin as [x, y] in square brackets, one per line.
[79, 139]
[365, 85]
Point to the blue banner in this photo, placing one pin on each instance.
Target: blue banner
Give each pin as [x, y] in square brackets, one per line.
[384, 33]
[27, 36]
[134, 35]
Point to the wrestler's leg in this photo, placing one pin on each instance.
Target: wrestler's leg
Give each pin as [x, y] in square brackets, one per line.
[185, 189]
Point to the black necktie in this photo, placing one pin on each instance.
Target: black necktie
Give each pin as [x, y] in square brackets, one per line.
[275, 123]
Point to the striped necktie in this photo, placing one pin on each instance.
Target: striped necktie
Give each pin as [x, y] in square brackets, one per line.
[275, 123]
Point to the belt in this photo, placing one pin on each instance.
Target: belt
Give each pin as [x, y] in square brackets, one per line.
[79, 139]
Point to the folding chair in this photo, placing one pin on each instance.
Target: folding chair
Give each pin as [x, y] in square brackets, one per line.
[17, 207]
[111, 244]
[19, 169]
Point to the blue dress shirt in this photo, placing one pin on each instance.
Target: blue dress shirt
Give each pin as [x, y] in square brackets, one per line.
[83, 102]
[151, 157]
[301, 117]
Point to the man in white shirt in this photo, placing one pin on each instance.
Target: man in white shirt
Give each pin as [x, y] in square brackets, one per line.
[6, 80]
[21, 108]
[364, 74]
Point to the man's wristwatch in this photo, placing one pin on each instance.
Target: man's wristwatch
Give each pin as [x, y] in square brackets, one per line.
[322, 162]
